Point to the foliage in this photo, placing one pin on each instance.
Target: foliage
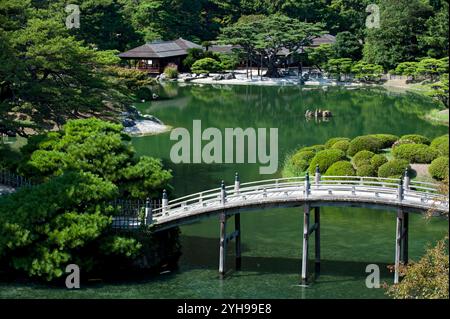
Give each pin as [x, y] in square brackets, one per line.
[438, 168]
[386, 140]
[320, 55]
[415, 153]
[435, 39]
[362, 158]
[365, 142]
[347, 45]
[314, 148]
[342, 145]
[171, 72]
[97, 147]
[431, 68]
[366, 170]
[206, 65]
[393, 169]
[339, 67]
[427, 278]
[325, 159]
[441, 144]
[378, 160]
[334, 140]
[407, 69]
[402, 23]
[195, 54]
[341, 168]
[367, 72]
[414, 139]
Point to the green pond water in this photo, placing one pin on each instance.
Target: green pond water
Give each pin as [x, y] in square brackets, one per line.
[351, 238]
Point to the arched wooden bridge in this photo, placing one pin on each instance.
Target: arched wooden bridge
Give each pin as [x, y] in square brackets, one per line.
[402, 195]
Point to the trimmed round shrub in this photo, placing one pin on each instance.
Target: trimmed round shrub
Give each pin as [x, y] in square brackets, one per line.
[325, 159]
[330, 143]
[206, 65]
[363, 158]
[314, 148]
[302, 159]
[386, 140]
[364, 143]
[366, 170]
[171, 72]
[378, 160]
[342, 145]
[415, 139]
[439, 168]
[341, 168]
[415, 153]
[441, 144]
[393, 169]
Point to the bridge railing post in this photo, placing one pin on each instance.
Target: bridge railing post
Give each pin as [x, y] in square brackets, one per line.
[223, 193]
[307, 185]
[317, 176]
[165, 202]
[406, 180]
[400, 190]
[148, 212]
[237, 184]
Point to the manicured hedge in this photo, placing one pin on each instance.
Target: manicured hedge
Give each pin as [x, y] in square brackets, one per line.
[363, 158]
[394, 168]
[314, 148]
[325, 159]
[439, 168]
[364, 143]
[341, 168]
[415, 153]
[387, 140]
[378, 160]
[302, 159]
[342, 145]
[366, 170]
[415, 138]
[334, 140]
[441, 144]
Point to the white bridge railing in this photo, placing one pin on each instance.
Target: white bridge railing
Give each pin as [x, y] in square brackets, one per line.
[372, 190]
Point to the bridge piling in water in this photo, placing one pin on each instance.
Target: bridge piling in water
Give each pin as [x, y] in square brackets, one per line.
[317, 240]
[226, 238]
[401, 242]
[306, 215]
[222, 244]
[307, 231]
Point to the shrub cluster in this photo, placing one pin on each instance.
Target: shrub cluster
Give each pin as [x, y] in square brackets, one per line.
[441, 144]
[414, 139]
[393, 169]
[171, 72]
[363, 158]
[386, 140]
[366, 170]
[439, 168]
[206, 66]
[325, 159]
[415, 153]
[302, 159]
[342, 145]
[341, 168]
[378, 160]
[330, 143]
[364, 143]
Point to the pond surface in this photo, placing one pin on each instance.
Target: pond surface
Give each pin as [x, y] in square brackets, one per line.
[351, 238]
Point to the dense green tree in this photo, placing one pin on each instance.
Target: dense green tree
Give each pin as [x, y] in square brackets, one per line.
[96, 147]
[339, 67]
[367, 72]
[402, 23]
[319, 56]
[347, 45]
[435, 39]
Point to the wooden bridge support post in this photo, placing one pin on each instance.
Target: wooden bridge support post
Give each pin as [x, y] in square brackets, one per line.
[237, 227]
[399, 244]
[306, 215]
[223, 244]
[317, 240]
[404, 242]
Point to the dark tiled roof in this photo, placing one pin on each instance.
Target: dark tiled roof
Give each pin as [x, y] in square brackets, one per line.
[223, 48]
[324, 39]
[160, 49]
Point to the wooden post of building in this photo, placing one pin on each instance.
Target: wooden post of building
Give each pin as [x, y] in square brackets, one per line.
[305, 244]
[237, 227]
[398, 240]
[223, 244]
[405, 234]
[317, 239]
